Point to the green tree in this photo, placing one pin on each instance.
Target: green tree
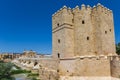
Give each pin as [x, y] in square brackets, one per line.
[5, 69]
[118, 48]
[34, 79]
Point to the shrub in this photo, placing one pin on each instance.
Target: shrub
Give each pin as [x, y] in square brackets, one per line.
[7, 78]
[5, 70]
[33, 74]
[19, 71]
[118, 48]
[34, 79]
[1, 61]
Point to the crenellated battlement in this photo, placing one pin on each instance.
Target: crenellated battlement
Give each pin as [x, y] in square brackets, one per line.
[100, 8]
[67, 15]
[64, 9]
[69, 10]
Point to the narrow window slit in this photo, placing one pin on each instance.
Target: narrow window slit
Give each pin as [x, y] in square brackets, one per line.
[83, 22]
[105, 32]
[88, 38]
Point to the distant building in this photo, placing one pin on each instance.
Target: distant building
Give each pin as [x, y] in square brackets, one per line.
[29, 54]
[7, 57]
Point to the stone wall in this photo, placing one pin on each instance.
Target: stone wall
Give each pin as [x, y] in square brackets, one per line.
[93, 66]
[48, 69]
[67, 67]
[86, 78]
[102, 19]
[87, 66]
[46, 74]
[115, 67]
[49, 63]
[83, 31]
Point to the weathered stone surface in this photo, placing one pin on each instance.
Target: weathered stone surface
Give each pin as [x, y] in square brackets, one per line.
[87, 78]
[47, 74]
[115, 67]
[83, 32]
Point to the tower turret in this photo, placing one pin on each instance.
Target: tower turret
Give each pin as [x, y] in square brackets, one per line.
[63, 33]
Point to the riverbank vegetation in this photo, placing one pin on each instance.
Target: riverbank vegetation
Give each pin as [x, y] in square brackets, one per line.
[7, 70]
[33, 74]
[19, 71]
[118, 48]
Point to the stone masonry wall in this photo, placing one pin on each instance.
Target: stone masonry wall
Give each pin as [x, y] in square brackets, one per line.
[87, 66]
[67, 67]
[93, 67]
[115, 67]
[83, 31]
[102, 20]
[48, 69]
[63, 34]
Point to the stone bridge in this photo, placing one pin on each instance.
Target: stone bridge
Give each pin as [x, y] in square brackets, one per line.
[35, 64]
[47, 68]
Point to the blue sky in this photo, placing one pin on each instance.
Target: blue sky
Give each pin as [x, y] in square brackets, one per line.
[27, 24]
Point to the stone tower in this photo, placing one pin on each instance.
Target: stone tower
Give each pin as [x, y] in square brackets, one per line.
[83, 32]
[63, 33]
[102, 19]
